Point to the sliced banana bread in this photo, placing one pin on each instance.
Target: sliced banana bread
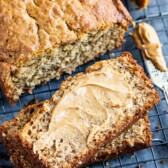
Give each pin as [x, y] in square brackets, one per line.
[136, 138]
[88, 112]
[41, 39]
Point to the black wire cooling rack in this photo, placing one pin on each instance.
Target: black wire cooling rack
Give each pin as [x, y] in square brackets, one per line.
[155, 157]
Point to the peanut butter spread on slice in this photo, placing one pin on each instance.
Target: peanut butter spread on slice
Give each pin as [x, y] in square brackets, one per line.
[148, 41]
[95, 102]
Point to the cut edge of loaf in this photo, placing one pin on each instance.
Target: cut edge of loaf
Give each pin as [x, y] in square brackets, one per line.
[141, 112]
[34, 35]
[17, 80]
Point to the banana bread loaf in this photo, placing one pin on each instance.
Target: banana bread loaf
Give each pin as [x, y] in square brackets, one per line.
[41, 39]
[89, 111]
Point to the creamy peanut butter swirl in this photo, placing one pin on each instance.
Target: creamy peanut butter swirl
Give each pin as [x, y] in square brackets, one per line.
[147, 40]
[94, 103]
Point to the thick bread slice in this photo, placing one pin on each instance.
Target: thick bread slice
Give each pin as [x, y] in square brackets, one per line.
[145, 97]
[136, 138]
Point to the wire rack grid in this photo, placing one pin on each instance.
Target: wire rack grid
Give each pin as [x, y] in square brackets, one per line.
[155, 157]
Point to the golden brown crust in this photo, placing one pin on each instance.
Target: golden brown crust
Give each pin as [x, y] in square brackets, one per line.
[28, 28]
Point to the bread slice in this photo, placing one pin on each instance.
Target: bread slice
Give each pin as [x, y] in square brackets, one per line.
[37, 130]
[136, 138]
[40, 40]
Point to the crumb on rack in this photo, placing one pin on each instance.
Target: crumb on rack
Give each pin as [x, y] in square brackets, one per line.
[139, 166]
[132, 156]
[162, 161]
[133, 24]
[33, 101]
[107, 164]
[157, 127]
[112, 54]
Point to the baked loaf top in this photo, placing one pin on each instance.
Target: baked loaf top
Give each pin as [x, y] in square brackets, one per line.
[29, 27]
